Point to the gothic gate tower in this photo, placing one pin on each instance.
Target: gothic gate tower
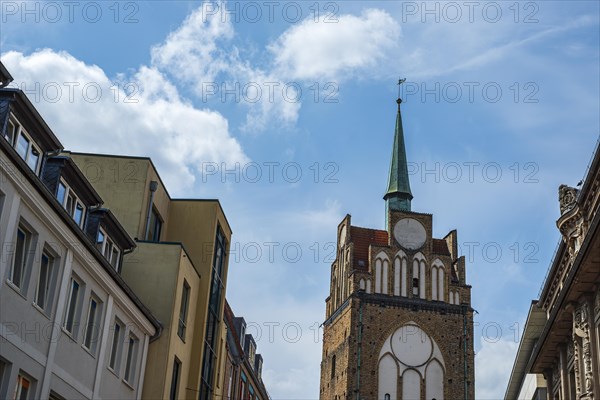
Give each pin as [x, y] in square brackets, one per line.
[399, 322]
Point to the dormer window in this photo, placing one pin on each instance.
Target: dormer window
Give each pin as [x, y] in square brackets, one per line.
[23, 144]
[11, 131]
[108, 248]
[71, 203]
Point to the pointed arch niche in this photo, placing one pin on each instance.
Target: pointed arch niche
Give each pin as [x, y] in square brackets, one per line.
[409, 356]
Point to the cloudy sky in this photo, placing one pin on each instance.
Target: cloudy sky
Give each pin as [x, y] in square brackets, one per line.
[285, 112]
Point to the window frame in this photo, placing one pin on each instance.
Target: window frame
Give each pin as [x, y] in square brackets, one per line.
[51, 275]
[155, 224]
[32, 146]
[116, 348]
[73, 306]
[175, 376]
[25, 259]
[75, 201]
[183, 310]
[91, 334]
[131, 359]
[23, 382]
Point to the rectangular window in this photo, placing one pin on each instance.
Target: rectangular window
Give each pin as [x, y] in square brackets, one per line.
[131, 359]
[78, 213]
[20, 261]
[61, 192]
[70, 202]
[46, 282]
[175, 379]
[27, 150]
[100, 240]
[73, 300]
[183, 309]
[22, 146]
[92, 326]
[154, 226]
[115, 351]
[23, 387]
[11, 131]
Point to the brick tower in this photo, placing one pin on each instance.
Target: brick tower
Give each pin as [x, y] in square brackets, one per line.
[399, 322]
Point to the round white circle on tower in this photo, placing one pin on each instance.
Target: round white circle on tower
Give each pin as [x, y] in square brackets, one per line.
[412, 346]
[410, 233]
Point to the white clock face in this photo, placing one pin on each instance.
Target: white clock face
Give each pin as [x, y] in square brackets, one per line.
[343, 235]
[410, 233]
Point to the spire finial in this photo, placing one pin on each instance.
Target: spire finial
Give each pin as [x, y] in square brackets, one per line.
[400, 82]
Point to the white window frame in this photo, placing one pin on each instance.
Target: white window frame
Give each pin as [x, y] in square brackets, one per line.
[76, 201]
[96, 325]
[75, 322]
[108, 248]
[15, 125]
[131, 359]
[32, 145]
[50, 282]
[21, 379]
[117, 340]
[22, 286]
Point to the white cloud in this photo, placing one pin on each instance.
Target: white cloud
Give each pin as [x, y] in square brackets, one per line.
[317, 50]
[493, 364]
[157, 123]
[201, 53]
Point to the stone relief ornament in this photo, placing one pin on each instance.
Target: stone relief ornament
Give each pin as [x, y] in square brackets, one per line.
[582, 336]
[566, 196]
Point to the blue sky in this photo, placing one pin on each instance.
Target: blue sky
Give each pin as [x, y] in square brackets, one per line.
[501, 88]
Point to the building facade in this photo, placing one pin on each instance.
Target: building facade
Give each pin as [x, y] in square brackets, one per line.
[70, 327]
[179, 269]
[559, 354]
[399, 322]
[242, 372]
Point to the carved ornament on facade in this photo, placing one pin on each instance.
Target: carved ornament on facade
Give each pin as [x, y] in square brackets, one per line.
[582, 335]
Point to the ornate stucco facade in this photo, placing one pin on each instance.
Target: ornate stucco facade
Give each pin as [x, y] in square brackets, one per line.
[399, 322]
[561, 341]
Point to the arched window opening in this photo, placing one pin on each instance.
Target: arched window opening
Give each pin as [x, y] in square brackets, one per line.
[434, 290]
[441, 285]
[384, 281]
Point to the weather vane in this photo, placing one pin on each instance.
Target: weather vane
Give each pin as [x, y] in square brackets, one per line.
[400, 82]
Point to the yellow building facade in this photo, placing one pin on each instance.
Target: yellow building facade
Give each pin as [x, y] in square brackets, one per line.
[179, 270]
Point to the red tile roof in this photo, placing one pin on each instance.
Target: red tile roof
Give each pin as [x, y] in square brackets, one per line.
[362, 239]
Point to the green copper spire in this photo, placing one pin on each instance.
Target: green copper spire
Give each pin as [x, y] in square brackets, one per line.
[398, 195]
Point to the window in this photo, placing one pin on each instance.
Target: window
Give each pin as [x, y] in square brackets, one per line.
[183, 309]
[100, 239]
[21, 256]
[3, 371]
[92, 326]
[22, 390]
[332, 367]
[46, 282]
[212, 323]
[108, 248]
[131, 358]
[154, 226]
[175, 379]
[26, 148]
[11, 131]
[73, 300]
[111, 253]
[115, 352]
[70, 202]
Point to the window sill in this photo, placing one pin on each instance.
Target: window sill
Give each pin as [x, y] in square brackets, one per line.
[68, 334]
[41, 311]
[112, 371]
[15, 288]
[88, 351]
[129, 385]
